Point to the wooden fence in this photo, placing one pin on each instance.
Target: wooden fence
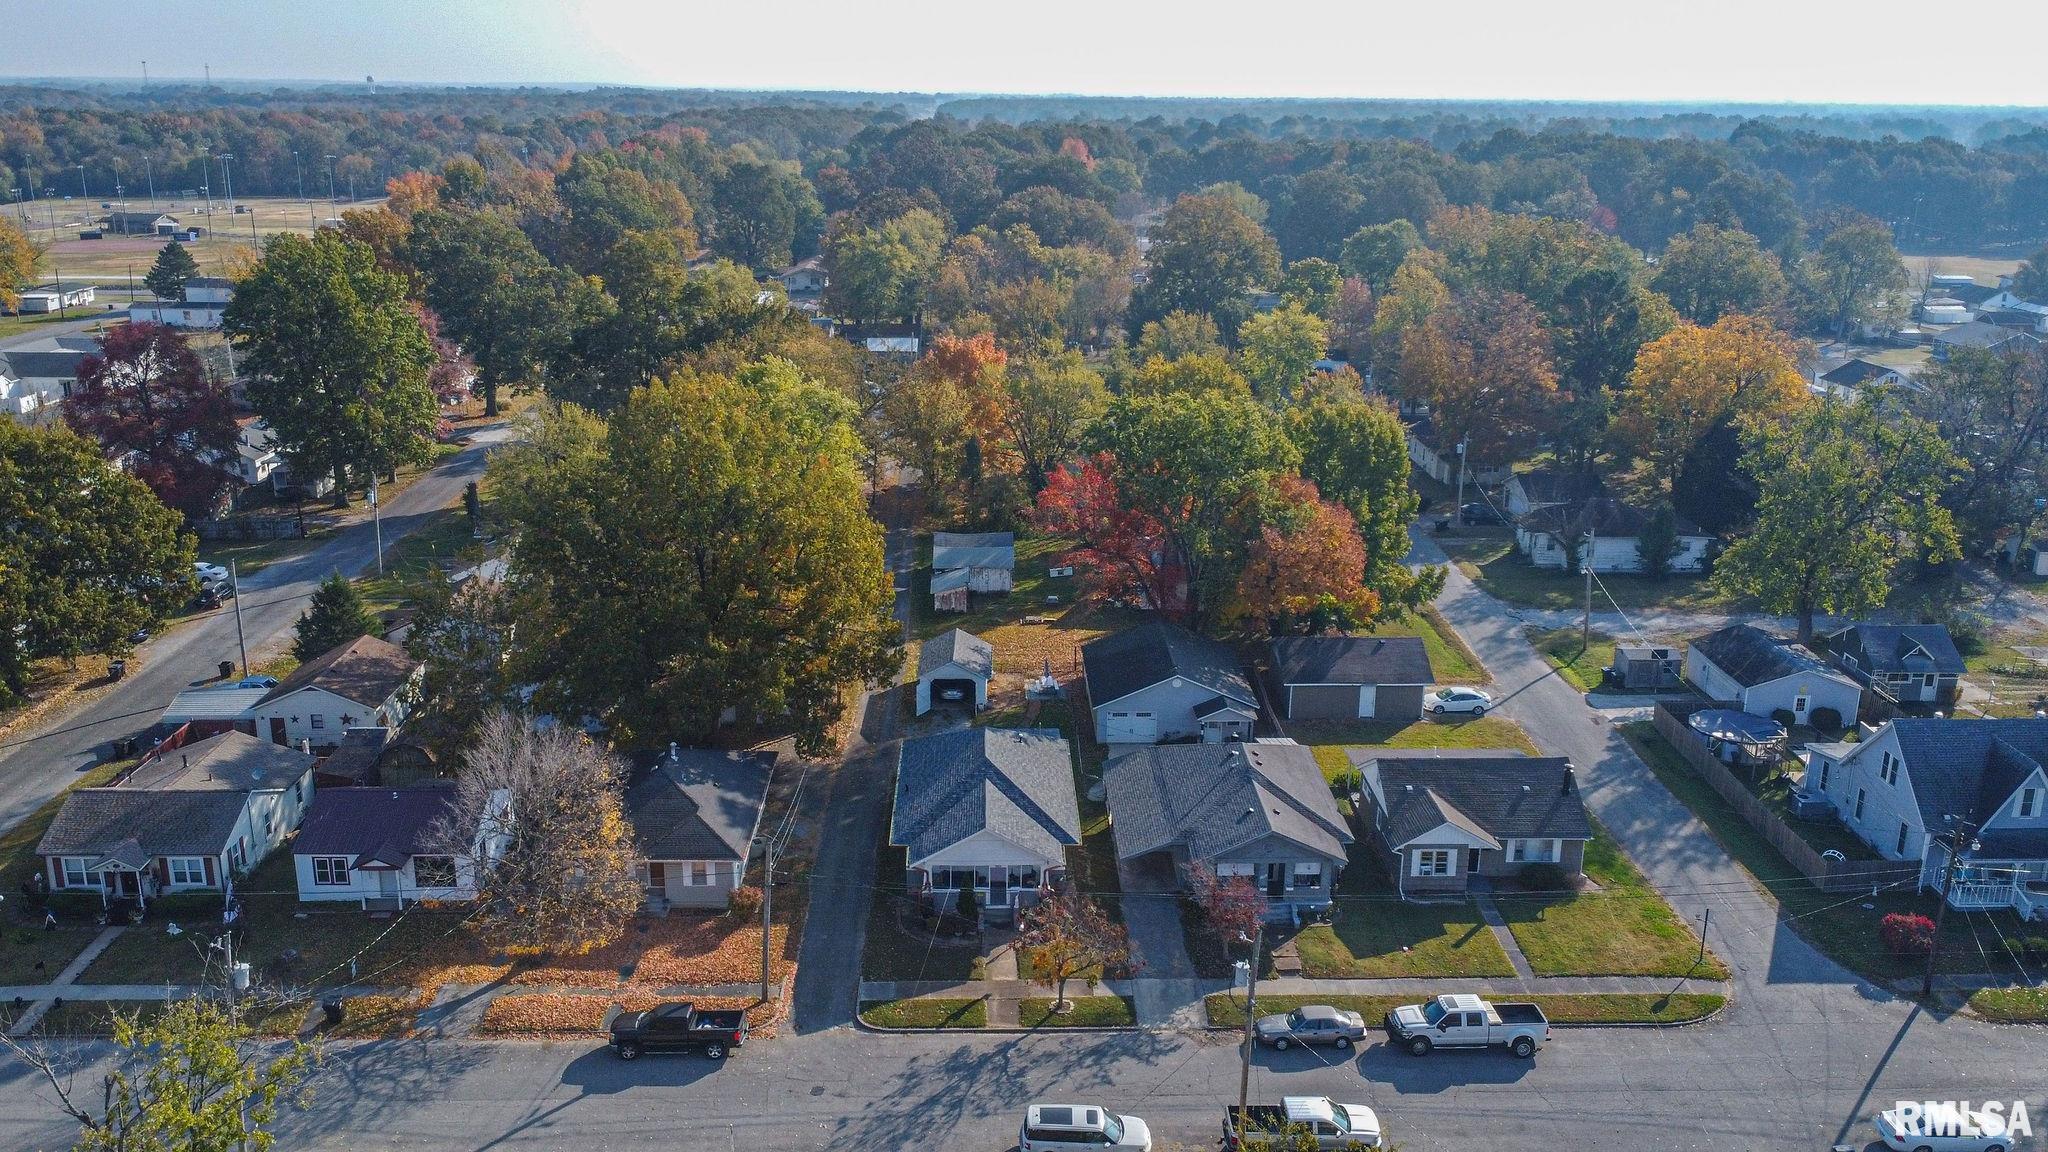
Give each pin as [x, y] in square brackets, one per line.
[1827, 875]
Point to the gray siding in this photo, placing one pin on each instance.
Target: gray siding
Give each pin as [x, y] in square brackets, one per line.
[1400, 701]
[1173, 709]
[1322, 702]
[1571, 858]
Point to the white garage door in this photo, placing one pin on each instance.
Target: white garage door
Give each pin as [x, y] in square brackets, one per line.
[1130, 728]
[1368, 701]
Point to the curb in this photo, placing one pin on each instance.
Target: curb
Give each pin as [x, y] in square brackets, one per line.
[1706, 1019]
[1093, 1030]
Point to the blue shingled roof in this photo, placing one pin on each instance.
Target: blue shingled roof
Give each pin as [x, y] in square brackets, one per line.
[1015, 782]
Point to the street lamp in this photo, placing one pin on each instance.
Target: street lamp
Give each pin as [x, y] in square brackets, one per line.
[228, 175]
[149, 173]
[330, 176]
[82, 193]
[1948, 878]
[299, 175]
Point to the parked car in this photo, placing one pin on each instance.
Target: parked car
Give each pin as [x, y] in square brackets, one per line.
[1457, 700]
[1334, 1125]
[1311, 1024]
[676, 1027]
[258, 681]
[1079, 1127]
[1945, 1130]
[1462, 1020]
[1480, 513]
[209, 573]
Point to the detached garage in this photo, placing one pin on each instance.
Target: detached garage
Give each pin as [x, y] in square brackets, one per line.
[1351, 677]
[954, 667]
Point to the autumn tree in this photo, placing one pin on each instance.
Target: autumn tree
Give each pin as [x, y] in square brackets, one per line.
[1695, 379]
[602, 200]
[1854, 274]
[1207, 253]
[1306, 569]
[2030, 280]
[1068, 934]
[1232, 907]
[1992, 410]
[539, 811]
[1049, 403]
[1604, 319]
[166, 277]
[949, 404]
[411, 192]
[1846, 494]
[1711, 272]
[1412, 296]
[1349, 318]
[1208, 372]
[146, 398]
[1278, 348]
[1115, 554]
[496, 295]
[333, 617]
[1483, 364]
[19, 259]
[1355, 450]
[463, 636]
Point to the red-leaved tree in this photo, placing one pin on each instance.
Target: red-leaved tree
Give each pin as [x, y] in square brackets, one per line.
[453, 371]
[1306, 569]
[1232, 907]
[1118, 552]
[146, 398]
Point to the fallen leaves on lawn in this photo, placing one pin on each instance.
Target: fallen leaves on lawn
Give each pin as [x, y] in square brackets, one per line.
[566, 1013]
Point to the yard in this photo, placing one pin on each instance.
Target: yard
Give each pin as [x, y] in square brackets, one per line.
[1624, 928]
[1845, 929]
[1376, 934]
[32, 955]
[1581, 665]
[1082, 1012]
[898, 950]
[1487, 556]
[930, 1012]
[1226, 1010]
[1331, 739]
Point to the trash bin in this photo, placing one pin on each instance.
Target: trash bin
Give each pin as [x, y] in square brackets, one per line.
[227, 669]
[332, 1010]
[116, 669]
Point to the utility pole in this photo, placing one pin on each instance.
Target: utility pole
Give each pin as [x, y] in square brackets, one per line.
[241, 640]
[377, 522]
[1251, 1013]
[1464, 444]
[149, 172]
[1706, 918]
[330, 180]
[1948, 879]
[771, 855]
[1586, 625]
[82, 193]
[299, 174]
[206, 183]
[228, 174]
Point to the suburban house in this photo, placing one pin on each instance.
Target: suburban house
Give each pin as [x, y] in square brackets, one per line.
[38, 374]
[1259, 810]
[1441, 463]
[2004, 305]
[1159, 681]
[377, 848]
[806, 277]
[366, 683]
[695, 814]
[1350, 677]
[1917, 780]
[1983, 336]
[1442, 820]
[1547, 487]
[142, 223]
[1850, 378]
[1551, 536]
[1763, 675]
[991, 809]
[205, 299]
[1905, 663]
[188, 817]
[955, 665]
[964, 562]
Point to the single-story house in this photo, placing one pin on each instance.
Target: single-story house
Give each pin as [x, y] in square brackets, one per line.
[47, 298]
[214, 708]
[142, 223]
[1546, 487]
[1259, 810]
[1351, 677]
[1550, 536]
[377, 847]
[188, 817]
[1159, 681]
[896, 347]
[1984, 336]
[1762, 675]
[367, 682]
[992, 809]
[695, 814]
[988, 558]
[955, 661]
[1441, 820]
[1441, 463]
[40, 374]
[1898, 788]
[806, 277]
[1910, 663]
[176, 314]
[2006, 303]
[1848, 379]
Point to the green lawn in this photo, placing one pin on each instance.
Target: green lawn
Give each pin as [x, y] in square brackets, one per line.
[444, 540]
[25, 943]
[1226, 1010]
[933, 1012]
[1488, 557]
[2011, 1005]
[1449, 658]
[1843, 926]
[1623, 929]
[1029, 587]
[1082, 1012]
[1376, 934]
[1581, 665]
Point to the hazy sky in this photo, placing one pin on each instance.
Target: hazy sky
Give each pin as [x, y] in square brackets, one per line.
[1846, 51]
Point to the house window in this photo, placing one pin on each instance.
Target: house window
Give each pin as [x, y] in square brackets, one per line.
[269, 820]
[2030, 799]
[1888, 768]
[75, 875]
[1799, 705]
[1308, 876]
[1532, 851]
[1826, 766]
[319, 721]
[1433, 862]
[1859, 804]
[1025, 876]
[1225, 871]
[330, 871]
[700, 873]
[299, 791]
[188, 870]
[433, 871]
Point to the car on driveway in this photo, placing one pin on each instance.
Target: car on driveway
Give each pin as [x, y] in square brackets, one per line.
[1311, 1024]
[1480, 514]
[1445, 700]
[1946, 1128]
[209, 573]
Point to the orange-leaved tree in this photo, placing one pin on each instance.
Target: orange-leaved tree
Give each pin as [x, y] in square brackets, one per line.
[1693, 380]
[1306, 568]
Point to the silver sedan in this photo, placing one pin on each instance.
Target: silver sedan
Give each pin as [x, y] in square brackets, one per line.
[1311, 1024]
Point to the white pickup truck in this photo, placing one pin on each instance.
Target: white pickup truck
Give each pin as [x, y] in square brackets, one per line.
[1461, 1020]
[1335, 1126]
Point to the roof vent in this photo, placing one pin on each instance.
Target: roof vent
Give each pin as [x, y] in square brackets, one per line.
[1251, 810]
[1525, 787]
[1409, 787]
[1570, 777]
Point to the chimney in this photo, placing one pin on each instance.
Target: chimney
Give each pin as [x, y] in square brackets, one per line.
[306, 745]
[675, 754]
[1570, 778]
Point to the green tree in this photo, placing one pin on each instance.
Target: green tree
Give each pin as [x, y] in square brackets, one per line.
[463, 635]
[1845, 494]
[2029, 282]
[497, 296]
[1355, 450]
[1604, 320]
[1657, 543]
[1208, 372]
[1178, 334]
[1855, 274]
[335, 616]
[88, 554]
[761, 209]
[882, 273]
[1376, 251]
[1992, 409]
[1207, 255]
[174, 265]
[1051, 402]
[19, 259]
[708, 548]
[1710, 272]
[603, 201]
[1314, 284]
[1278, 348]
[337, 361]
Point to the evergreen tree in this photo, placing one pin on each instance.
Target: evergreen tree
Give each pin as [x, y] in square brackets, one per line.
[1657, 543]
[335, 617]
[174, 265]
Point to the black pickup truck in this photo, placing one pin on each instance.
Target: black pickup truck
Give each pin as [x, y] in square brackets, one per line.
[676, 1028]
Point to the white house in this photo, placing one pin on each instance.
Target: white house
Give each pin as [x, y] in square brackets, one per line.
[380, 848]
[1551, 536]
[1441, 463]
[1160, 682]
[1851, 377]
[954, 661]
[806, 277]
[1917, 781]
[366, 682]
[1763, 675]
[988, 558]
[51, 298]
[991, 809]
[1545, 487]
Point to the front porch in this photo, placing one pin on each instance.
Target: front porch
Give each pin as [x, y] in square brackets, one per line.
[1987, 885]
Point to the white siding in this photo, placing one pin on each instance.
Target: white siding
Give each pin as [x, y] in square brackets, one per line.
[363, 884]
[335, 714]
[1610, 553]
[1885, 805]
[984, 849]
[1821, 690]
[1172, 704]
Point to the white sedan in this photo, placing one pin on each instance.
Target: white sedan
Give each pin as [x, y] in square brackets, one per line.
[209, 573]
[1457, 700]
[1944, 1129]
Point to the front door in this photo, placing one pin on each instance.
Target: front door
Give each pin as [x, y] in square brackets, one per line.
[1368, 701]
[387, 883]
[277, 730]
[1472, 862]
[657, 879]
[127, 884]
[1276, 880]
[998, 886]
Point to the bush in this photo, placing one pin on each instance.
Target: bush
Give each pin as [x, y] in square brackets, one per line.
[1907, 934]
[1543, 878]
[969, 909]
[1826, 719]
[2037, 948]
[1784, 716]
[745, 903]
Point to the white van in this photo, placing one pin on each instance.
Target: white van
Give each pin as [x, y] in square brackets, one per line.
[1080, 1128]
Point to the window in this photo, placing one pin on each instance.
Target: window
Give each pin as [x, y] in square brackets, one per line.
[1308, 876]
[1901, 848]
[75, 875]
[433, 871]
[269, 820]
[299, 791]
[187, 870]
[1433, 862]
[1859, 804]
[330, 871]
[1888, 768]
[700, 873]
[2030, 801]
[1224, 871]
[1826, 765]
[319, 721]
[1799, 705]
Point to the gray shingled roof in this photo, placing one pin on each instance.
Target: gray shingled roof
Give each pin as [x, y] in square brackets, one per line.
[1602, 516]
[1887, 648]
[1015, 782]
[700, 804]
[1968, 768]
[95, 822]
[1751, 656]
[1853, 373]
[1497, 797]
[230, 761]
[957, 646]
[973, 550]
[1981, 334]
[1352, 660]
[1216, 798]
[366, 671]
[1120, 664]
[385, 826]
[1560, 485]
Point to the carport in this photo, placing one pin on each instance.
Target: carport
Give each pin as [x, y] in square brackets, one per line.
[954, 667]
